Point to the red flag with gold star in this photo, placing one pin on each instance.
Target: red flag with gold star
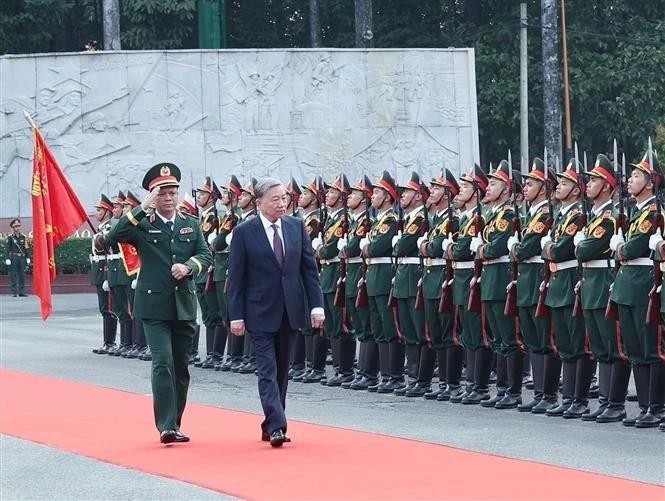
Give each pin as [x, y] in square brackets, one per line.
[56, 213]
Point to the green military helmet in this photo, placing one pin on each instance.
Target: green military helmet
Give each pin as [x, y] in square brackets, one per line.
[104, 203]
[388, 184]
[603, 169]
[160, 175]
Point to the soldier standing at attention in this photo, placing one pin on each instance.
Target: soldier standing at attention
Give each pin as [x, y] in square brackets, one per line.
[377, 249]
[172, 251]
[98, 271]
[206, 198]
[592, 248]
[359, 225]
[569, 330]
[492, 248]
[16, 258]
[439, 324]
[310, 204]
[526, 251]
[644, 341]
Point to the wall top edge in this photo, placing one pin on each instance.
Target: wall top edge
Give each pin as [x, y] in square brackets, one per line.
[230, 51]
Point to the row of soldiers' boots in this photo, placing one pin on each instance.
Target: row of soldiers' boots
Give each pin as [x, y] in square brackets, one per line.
[239, 359]
[133, 343]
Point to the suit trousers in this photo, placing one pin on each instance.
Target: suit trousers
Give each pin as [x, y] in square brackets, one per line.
[273, 355]
[169, 342]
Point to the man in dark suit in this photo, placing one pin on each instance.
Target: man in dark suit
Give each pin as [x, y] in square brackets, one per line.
[172, 251]
[271, 273]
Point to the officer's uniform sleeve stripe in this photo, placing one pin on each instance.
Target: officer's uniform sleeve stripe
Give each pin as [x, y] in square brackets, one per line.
[198, 263]
[132, 219]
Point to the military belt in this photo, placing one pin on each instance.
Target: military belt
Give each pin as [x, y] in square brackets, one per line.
[564, 265]
[499, 260]
[16, 254]
[113, 257]
[354, 260]
[380, 260]
[222, 252]
[534, 260]
[463, 265]
[640, 261]
[435, 261]
[599, 263]
[409, 260]
[329, 261]
[96, 259]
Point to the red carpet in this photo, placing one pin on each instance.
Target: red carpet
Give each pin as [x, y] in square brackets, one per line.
[226, 453]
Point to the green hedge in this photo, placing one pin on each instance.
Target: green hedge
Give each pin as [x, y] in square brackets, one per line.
[71, 256]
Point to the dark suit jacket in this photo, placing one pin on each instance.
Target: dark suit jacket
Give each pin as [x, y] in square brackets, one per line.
[159, 296]
[259, 290]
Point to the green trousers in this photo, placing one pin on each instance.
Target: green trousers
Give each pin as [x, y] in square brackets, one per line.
[604, 338]
[439, 326]
[507, 338]
[120, 302]
[643, 342]
[569, 335]
[381, 318]
[360, 321]
[535, 331]
[475, 333]
[17, 274]
[411, 322]
[169, 342]
[333, 322]
[210, 312]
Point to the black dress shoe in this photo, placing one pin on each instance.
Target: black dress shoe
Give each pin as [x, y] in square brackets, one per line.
[339, 380]
[168, 436]
[299, 377]
[545, 404]
[181, 437]
[248, 368]
[559, 409]
[373, 388]
[347, 385]
[631, 421]
[402, 390]
[456, 392]
[392, 385]
[457, 399]
[491, 403]
[651, 419]
[419, 390]
[277, 438]
[314, 376]
[225, 366]
[611, 414]
[364, 383]
[147, 356]
[508, 402]
[576, 410]
[434, 393]
[294, 373]
[265, 437]
[526, 407]
[592, 416]
[475, 397]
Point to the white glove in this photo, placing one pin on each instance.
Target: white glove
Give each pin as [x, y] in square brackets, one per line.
[105, 286]
[421, 240]
[134, 284]
[212, 237]
[616, 240]
[27, 260]
[654, 240]
[228, 238]
[545, 240]
[316, 243]
[444, 245]
[363, 242]
[514, 239]
[476, 242]
[579, 236]
[8, 262]
[341, 243]
[395, 239]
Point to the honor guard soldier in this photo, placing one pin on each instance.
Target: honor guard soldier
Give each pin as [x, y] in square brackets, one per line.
[592, 248]
[98, 272]
[247, 205]
[643, 340]
[359, 227]
[474, 334]
[492, 248]
[16, 258]
[132, 265]
[568, 329]
[172, 251]
[293, 193]
[119, 282]
[311, 204]
[437, 282]
[337, 328]
[526, 251]
[230, 194]
[206, 199]
[188, 206]
[377, 249]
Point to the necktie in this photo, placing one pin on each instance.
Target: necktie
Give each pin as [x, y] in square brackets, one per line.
[169, 225]
[277, 245]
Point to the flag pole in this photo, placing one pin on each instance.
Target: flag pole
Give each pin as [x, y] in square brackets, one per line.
[34, 128]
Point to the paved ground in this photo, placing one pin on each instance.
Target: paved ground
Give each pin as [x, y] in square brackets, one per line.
[61, 348]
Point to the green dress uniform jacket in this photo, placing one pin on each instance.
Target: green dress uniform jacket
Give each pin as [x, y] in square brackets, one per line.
[328, 253]
[359, 224]
[379, 276]
[408, 275]
[98, 264]
[209, 223]
[220, 248]
[496, 266]
[530, 268]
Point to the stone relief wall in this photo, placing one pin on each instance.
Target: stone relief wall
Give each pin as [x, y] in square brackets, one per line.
[110, 116]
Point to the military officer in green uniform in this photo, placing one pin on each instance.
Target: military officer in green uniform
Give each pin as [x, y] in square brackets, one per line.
[436, 275]
[337, 328]
[526, 250]
[473, 329]
[98, 271]
[377, 249]
[643, 341]
[172, 251]
[16, 258]
[311, 205]
[206, 200]
[229, 197]
[568, 329]
[492, 248]
[592, 248]
[359, 226]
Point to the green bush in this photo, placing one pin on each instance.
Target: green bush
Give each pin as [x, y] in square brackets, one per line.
[71, 256]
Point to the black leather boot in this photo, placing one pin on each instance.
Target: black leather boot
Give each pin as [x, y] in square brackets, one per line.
[569, 372]
[396, 381]
[481, 372]
[129, 338]
[585, 369]
[454, 361]
[604, 381]
[642, 374]
[124, 342]
[552, 371]
[412, 365]
[513, 396]
[320, 352]
[615, 410]
[384, 366]
[537, 374]
[360, 366]
[469, 373]
[346, 347]
[425, 373]
[194, 350]
[656, 412]
[501, 382]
